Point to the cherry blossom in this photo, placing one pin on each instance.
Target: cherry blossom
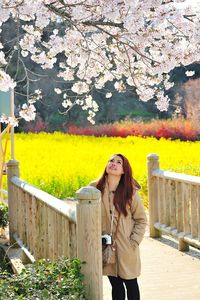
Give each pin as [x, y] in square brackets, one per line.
[9, 120]
[132, 43]
[67, 103]
[28, 112]
[6, 82]
[189, 73]
[108, 95]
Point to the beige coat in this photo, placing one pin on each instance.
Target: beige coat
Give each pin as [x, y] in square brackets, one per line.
[131, 230]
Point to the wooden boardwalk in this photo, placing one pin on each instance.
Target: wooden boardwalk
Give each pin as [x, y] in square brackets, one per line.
[167, 274]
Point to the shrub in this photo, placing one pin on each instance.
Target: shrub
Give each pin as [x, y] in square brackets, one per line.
[45, 279]
[169, 129]
[36, 126]
[5, 269]
[3, 215]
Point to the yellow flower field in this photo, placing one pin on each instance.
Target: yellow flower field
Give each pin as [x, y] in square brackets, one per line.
[60, 163]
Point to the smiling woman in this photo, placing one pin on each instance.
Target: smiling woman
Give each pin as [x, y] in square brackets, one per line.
[115, 165]
[124, 221]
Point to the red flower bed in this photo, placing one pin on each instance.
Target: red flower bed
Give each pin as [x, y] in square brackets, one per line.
[173, 129]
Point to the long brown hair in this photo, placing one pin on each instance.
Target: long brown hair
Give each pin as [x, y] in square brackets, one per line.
[125, 189]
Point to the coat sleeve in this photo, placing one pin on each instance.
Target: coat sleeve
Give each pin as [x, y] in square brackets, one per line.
[140, 220]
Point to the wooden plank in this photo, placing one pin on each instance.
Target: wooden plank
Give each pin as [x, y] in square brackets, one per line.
[198, 209]
[37, 237]
[160, 199]
[23, 218]
[194, 212]
[186, 195]
[34, 225]
[173, 222]
[167, 201]
[60, 240]
[65, 237]
[57, 239]
[73, 240]
[19, 212]
[51, 232]
[25, 234]
[179, 206]
[31, 225]
[15, 208]
[27, 257]
[60, 235]
[27, 220]
[14, 256]
[43, 230]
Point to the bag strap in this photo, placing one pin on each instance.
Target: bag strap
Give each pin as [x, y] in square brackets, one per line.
[112, 222]
[117, 227]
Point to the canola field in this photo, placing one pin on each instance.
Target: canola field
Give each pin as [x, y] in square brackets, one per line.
[60, 164]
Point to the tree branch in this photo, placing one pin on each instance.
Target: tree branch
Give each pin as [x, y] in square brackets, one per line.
[61, 12]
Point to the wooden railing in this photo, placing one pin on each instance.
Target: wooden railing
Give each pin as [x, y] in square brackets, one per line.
[47, 227]
[174, 204]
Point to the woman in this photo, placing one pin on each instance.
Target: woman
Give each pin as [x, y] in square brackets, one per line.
[120, 198]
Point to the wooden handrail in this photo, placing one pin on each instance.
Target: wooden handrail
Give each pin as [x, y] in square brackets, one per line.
[174, 204]
[176, 176]
[57, 205]
[47, 227]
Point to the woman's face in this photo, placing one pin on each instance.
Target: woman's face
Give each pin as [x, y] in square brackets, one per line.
[115, 166]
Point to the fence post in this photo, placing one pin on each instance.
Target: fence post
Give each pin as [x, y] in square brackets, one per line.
[152, 164]
[182, 245]
[89, 247]
[12, 170]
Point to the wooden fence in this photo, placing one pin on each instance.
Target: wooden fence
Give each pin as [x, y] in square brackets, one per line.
[47, 227]
[174, 204]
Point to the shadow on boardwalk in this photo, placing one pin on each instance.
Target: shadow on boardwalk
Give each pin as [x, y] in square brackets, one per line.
[167, 274]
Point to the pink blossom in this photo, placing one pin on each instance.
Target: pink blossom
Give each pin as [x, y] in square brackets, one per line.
[28, 112]
[80, 87]
[189, 73]
[6, 82]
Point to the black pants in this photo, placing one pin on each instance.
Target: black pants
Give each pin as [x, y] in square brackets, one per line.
[118, 288]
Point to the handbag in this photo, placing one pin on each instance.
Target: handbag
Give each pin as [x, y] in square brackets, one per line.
[108, 255]
[109, 251]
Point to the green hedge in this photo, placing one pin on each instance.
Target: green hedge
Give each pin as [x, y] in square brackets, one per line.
[3, 215]
[45, 279]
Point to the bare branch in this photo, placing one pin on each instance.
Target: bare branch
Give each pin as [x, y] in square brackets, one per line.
[188, 17]
[13, 6]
